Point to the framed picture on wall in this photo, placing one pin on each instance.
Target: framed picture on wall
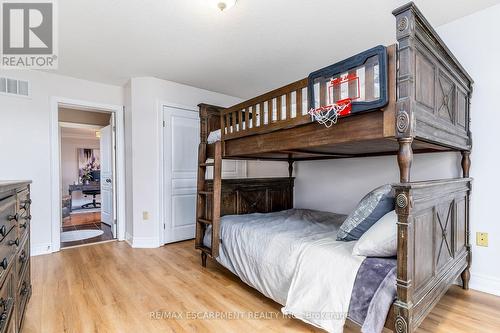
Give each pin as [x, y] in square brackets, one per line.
[88, 162]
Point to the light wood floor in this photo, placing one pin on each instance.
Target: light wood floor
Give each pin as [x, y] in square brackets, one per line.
[111, 287]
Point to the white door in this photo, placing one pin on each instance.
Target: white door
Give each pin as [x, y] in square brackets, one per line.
[181, 139]
[107, 200]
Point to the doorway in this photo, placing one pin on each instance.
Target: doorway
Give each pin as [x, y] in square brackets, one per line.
[96, 187]
[87, 164]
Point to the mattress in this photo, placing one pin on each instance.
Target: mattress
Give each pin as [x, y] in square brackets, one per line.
[215, 136]
[293, 258]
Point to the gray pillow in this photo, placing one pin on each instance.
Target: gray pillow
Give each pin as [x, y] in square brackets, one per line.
[369, 210]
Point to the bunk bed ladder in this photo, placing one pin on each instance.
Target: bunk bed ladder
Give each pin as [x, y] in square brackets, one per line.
[208, 202]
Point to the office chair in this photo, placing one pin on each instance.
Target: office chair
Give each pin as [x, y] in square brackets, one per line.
[94, 203]
[96, 176]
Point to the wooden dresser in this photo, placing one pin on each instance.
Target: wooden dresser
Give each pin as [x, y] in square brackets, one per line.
[15, 269]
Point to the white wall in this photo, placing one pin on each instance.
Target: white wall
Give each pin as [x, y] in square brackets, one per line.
[474, 40]
[25, 138]
[337, 185]
[146, 94]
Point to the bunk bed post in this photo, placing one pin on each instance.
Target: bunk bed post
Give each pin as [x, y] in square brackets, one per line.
[404, 133]
[405, 158]
[430, 214]
[403, 306]
[465, 163]
[216, 202]
[465, 173]
[208, 202]
[405, 90]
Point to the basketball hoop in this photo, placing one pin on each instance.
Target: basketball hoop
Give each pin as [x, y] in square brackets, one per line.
[329, 114]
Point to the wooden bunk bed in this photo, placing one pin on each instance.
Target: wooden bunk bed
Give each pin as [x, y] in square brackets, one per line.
[427, 111]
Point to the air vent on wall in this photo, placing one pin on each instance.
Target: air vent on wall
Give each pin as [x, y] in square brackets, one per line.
[14, 87]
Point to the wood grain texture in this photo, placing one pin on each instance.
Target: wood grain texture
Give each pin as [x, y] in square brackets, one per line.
[113, 288]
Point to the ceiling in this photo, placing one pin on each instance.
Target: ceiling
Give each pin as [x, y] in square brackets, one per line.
[253, 47]
[79, 133]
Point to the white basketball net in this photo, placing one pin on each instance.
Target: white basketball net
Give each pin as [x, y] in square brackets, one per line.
[328, 115]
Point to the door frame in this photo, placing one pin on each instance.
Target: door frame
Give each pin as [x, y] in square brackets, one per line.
[55, 157]
[162, 188]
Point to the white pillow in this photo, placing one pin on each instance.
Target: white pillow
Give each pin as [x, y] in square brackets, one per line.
[381, 240]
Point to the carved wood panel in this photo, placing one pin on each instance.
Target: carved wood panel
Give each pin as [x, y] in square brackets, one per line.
[444, 219]
[424, 252]
[445, 98]
[460, 230]
[424, 83]
[462, 105]
[246, 196]
[252, 201]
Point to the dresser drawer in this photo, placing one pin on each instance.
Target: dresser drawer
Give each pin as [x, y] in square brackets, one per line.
[23, 226]
[24, 201]
[11, 327]
[8, 216]
[8, 249]
[23, 294]
[23, 256]
[7, 303]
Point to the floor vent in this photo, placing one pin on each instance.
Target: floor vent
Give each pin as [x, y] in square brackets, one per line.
[14, 87]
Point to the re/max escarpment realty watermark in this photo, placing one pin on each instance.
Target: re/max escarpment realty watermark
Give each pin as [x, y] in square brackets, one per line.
[29, 34]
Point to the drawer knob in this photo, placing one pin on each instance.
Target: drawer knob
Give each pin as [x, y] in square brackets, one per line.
[25, 203]
[3, 230]
[23, 225]
[22, 256]
[4, 263]
[12, 217]
[24, 288]
[28, 217]
[14, 242]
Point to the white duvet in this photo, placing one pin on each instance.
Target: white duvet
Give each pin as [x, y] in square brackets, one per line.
[293, 258]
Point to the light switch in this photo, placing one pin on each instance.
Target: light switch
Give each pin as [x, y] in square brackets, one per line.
[482, 239]
[145, 215]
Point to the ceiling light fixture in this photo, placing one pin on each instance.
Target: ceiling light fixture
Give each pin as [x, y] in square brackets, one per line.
[224, 4]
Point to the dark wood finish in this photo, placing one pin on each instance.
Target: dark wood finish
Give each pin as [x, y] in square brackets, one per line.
[432, 245]
[15, 275]
[434, 89]
[428, 111]
[290, 168]
[205, 198]
[210, 120]
[465, 171]
[405, 158]
[253, 195]
[216, 207]
[465, 163]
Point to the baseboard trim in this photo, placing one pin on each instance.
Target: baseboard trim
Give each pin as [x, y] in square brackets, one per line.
[128, 238]
[484, 283]
[144, 242]
[41, 249]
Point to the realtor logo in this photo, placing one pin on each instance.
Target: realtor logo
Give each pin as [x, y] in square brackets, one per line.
[28, 34]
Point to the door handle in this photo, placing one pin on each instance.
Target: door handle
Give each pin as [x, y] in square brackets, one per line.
[108, 180]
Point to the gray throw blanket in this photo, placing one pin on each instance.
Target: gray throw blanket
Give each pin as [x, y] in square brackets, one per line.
[373, 294]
